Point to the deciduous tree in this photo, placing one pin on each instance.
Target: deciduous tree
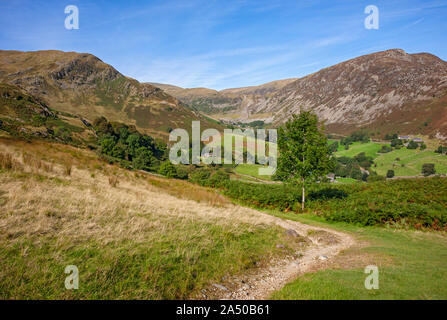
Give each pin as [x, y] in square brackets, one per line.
[303, 151]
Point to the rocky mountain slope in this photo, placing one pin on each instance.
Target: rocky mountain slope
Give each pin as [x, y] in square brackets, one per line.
[384, 92]
[83, 85]
[389, 90]
[225, 101]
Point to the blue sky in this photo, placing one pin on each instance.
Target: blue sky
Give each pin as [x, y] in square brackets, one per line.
[224, 44]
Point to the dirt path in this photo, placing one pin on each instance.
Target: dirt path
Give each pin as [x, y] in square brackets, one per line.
[260, 283]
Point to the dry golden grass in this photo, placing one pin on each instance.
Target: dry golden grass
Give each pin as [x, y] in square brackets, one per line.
[36, 163]
[82, 206]
[57, 219]
[113, 181]
[9, 163]
[173, 235]
[185, 190]
[67, 168]
[55, 157]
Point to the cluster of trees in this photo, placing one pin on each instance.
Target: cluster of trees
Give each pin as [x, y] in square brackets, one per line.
[357, 136]
[399, 143]
[385, 149]
[441, 150]
[256, 124]
[347, 167]
[173, 171]
[412, 145]
[124, 142]
[392, 136]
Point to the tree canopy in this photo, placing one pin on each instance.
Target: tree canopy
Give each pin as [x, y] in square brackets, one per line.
[303, 150]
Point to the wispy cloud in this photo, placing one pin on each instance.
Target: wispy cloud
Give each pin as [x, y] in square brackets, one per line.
[211, 70]
[223, 43]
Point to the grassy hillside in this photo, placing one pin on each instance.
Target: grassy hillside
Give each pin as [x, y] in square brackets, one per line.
[251, 170]
[25, 116]
[131, 235]
[404, 162]
[410, 162]
[369, 148]
[82, 84]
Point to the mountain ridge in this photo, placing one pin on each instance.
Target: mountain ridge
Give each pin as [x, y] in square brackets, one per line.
[384, 91]
[82, 84]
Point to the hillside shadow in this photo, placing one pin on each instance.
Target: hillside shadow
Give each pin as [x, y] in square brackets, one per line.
[327, 193]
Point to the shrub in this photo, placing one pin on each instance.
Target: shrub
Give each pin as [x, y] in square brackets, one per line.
[441, 149]
[396, 142]
[412, 145]
[428, 169]
[395, 203]
[333, 147]
[385, 149]
[373, 177]
[390, 173]
[200, 176]
[168, 169]
[218, 178]
[327, 193]
[181, 173]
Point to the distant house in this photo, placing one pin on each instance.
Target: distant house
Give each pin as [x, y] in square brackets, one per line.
[418, 140]
[331, 177]
[404, 137]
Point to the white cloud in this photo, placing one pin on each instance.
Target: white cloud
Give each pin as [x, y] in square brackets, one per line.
[212, 70]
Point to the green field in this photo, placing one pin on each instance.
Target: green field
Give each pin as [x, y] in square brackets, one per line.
[245, 169]
[410, 163]
[370, 149]
[412, 265]
[251, 170]
[347, 180]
